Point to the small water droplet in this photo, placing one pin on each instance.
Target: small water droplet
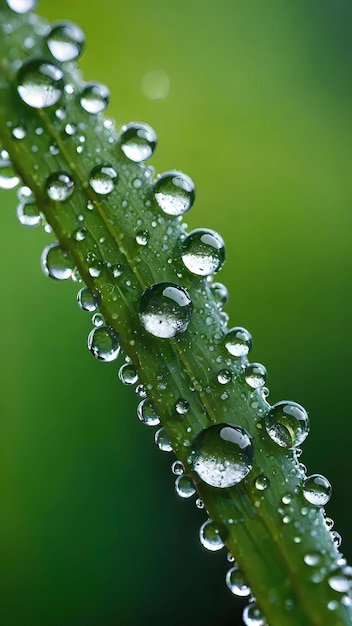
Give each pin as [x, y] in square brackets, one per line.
[98, 320]
[224, 377]
[141, 390]
[138, 141]
[174, 192]
[200, 504]
[165, 309]
[94, 98]
[177, 468]
[19, 132]
[209, 535]
[21, 6]
[340, 580]
[8, 178]
[88, 300]
[252, 615]
[329, 523]
[222, 455]
[102, 179]
[128, 374]
[203, 252]
[236, 583]
[162, 440]
[142, 237]
[65, 41]
[59, 186]
[184, 486]
[182, 406]
[238, 341]
[28, 214]
[255, 375]
[286, 498]
[39, 83]
[103, 344]
[287, 424]
[220, 294]
[80, 234]
[262, 482]
[57, 262]
[147, 414]
[317, 490]
[336, 537]
[312, 558]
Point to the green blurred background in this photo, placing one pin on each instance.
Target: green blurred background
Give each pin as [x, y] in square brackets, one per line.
[259, 114]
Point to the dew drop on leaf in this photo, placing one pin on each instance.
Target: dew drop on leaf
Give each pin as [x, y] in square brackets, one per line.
[102, 179]
[209, 536]
[21, 6]
[147, 414]
[174, 192]
[8, 177]
[128, 374]
[94, 98]
[177, 468]
[224, 377]
[238, 341]
[236, 583]
[203, 252]
[88, 300]
[317, 490]
[65, 41]
[57, 262]
[252, 615]
[262, 482]
[255, 375]
[165, 309]
[220, 294]
[182, 406]
[40, 83]
[162, 440]
[138, 141]
[184, 486]
[103, 344]
[287, 424]
[59, 186]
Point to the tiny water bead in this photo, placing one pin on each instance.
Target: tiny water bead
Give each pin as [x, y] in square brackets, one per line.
[147, 414]
[8, 177]
[88, 300]
[340, 580]
[102, 179]
[287, 424]
[138, 141]
[162, 440]
[255, 375]
[165, 309]
[65, 41]
[57, 262]
[177, 468]
[238, 341]
[317, 490]
[128, 374]
[222, 455]
[224, 377]
[184, 486]
[252, 615]
[262, 482]
[182, 406]
[203, 252]
[59, 186]
[98, 320]
[174, 192]
[142, 237]
[21, 6]
[209, 536]
[94, 98]
[236, 583]
[40, 83]
[103, 344]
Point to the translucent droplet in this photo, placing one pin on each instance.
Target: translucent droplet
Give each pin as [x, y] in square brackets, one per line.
[209, 535]
[147, 414]
[224, 377]
[203, 252]
[238, 341]
[236, 583]
[317, 490]
[336, 537]
[162, 440]
[252, 615]
[255, 375]
[184, 486]
[312, 558]
[287, 424]
[8, 178]
[177, 468]
[200, 504]
[57, 262]
[138, 141]
[262, 482]
[59, 186]
[19, 132]
[329, 523]
[65, 41]
[88, 300]
[98, 320]
[102, 179]
[165, 309]
[182, 406]
[220, 294]
[222, 455]
[128, 374]
[94, 98]
[28, 214]
[103, 344]
[117, 270]
[340, 580]
[141, 391]
[21, 6]
[80, 234]
[142, 237]
[174, 192]
[40, 83]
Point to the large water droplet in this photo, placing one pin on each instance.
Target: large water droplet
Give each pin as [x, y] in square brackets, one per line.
[40, 83]
[8, 177]
[165, 309]
[94, 98]
[88, 300]
[147, 414]
[209, 536]
[65, 41]
[103, 344]
[203, 252]
[174, 192]
[128, 374]
[236, 583]
[252, 615]
[340, 580]
[57, 262]
[59, 186]
[162, 440]
[317, 490]
[222, 455]
[184, 486]
[255, 375]
[138, 141]
[287, 424]
[238, 341]
[21, 6]
[102, 179]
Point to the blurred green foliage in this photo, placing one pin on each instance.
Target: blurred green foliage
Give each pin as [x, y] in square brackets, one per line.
[258, 114]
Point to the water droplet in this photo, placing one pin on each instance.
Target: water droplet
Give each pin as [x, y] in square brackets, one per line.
[340, 580]
[203, 252]
[39, 83]
[94, 98]
[142, 237]
[312, 558]
[165, 309]
[57, 262]
[174, 192]
[21, 6]
[103, 344]
[177, 468]
[28, 214]
[80, 234]
[238, 341]
[8, 178]
[117, 270]
[317, 490]
[220, 294]
[209, 535]
[200, 504]
[98, 320]
[128, 374]
[236, 583]
[65, 41]
[184, 486]
[102, 179]
[336, 537]
[138, 141]
[252, 615]
[261, 482]
[59, 186]
[222, 455]
[329, 523]
[286, 498]
[224, 377]
[141, 391]
[19, 132]
[182, 406]
[255, 375]
[147, 414]
[88, 300]
[287, 424]
[162, 440]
